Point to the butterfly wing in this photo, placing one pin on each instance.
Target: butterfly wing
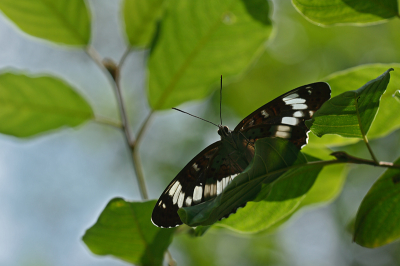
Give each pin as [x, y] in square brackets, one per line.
[207, 174]
[284, 116]
[203, 178]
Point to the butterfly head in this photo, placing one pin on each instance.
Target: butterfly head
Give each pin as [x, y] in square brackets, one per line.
[224, 131]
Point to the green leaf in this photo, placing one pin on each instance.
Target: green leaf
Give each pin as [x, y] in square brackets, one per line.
[200, 40]
[341, 115]
[330, 180]
[140, 17]
[124, 230]
[377, 220]
[32, 105]
[275, 202]
[256, 177]
[326, 187]
[61, 21]
[331, 12]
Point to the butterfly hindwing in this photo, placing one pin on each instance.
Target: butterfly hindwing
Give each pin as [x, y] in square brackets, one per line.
[183, 190]
[202, 179]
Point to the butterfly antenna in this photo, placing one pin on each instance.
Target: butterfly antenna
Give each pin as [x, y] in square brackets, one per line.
[220, 102]
[195, 116]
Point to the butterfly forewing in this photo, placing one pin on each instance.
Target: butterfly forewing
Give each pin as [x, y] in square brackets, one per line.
[206, 175]
[284, 116]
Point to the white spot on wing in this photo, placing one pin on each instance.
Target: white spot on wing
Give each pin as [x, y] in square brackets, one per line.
[299, 106]
[264, 113]
[290, 96]
[219, 187]
[224, 182]
[173, 188]
[176, 195]
[196, 167]
[188, 201]
[283, 128]
[197, 194]
[295, 101]
[164, 206]
[290, 121]
[180, 199]
[298, 114]
[284, 135]
[311, 112]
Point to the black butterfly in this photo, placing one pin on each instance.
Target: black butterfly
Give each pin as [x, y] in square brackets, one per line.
[207, 174]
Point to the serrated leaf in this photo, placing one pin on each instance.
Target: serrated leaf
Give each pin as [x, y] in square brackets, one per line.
[342, 116]
[200, 40]
[61, 21]
[331, 12]
[140, 17]
[377, 220]
[124, 230]
[32, 105]
[271, 156]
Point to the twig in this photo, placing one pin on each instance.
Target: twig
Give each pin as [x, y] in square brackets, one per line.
[346, 158]
[143, 129]
[136, 157]
[124, 56]
[171, 261]
[114, 75]
[95, 56]
[364, 135]
[133, 144]
[107, 121]
[122, 109]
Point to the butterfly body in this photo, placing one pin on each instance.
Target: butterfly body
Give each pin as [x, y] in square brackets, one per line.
[207, 174]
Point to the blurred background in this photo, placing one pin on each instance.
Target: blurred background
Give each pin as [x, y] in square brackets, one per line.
[54, 186]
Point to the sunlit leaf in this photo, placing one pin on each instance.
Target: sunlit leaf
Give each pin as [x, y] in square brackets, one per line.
[340, 115]
[278, 201]
[326, 187]
[330, 180]
[200, 40]
[272, 155]
[377, 220]
[330, 12]
[140, 17]
[124, 230]
[32, 105]
[61, 21]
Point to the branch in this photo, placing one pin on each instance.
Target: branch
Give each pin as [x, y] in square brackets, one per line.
[346, 158]
[114, 75]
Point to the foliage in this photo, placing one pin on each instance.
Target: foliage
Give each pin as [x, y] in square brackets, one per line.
[190, 44]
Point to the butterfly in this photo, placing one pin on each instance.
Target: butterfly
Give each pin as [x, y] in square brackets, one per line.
[207, 174]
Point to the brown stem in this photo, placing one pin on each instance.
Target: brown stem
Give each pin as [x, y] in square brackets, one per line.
[346, 158]
[114, 75]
